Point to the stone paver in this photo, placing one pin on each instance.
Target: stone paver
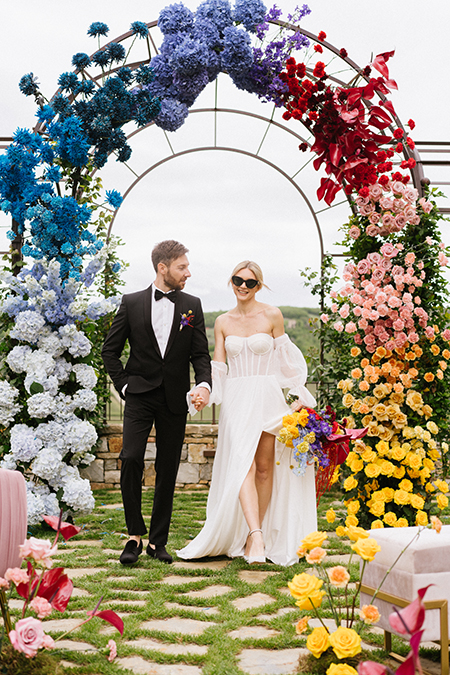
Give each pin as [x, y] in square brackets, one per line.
[269, 662]
[83, 572]
[79, 593]
[253, 633]
[208, 565]
[74, 646]
[177, 625]
[254, 576]
[176, 580]
[62, 625]
[209, 592]
[192, 608]
[252, 601]
[124, 579]
[82, 542]
[140, 666]
[341, 559]
[111, 506]
[134, 603]
[166, 647]
[284, 590]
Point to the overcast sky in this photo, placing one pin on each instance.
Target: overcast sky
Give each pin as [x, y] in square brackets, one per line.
[226, 206]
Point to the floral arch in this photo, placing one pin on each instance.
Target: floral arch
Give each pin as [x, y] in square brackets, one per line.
[385, 331]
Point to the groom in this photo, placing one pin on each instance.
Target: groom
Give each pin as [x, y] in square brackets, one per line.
[166, 332]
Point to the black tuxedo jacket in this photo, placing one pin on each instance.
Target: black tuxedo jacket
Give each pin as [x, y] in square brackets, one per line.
[147, 368]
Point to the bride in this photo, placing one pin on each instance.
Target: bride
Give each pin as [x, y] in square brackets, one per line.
[256, 507]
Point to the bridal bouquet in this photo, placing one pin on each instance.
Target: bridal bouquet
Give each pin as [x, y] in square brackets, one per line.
[317, 437]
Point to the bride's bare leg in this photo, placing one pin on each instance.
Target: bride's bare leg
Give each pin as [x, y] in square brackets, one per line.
[256, 491]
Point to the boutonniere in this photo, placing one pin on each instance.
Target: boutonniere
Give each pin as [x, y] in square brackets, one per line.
[186, 319]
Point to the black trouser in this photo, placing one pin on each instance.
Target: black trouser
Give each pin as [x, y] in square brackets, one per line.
[141, 411]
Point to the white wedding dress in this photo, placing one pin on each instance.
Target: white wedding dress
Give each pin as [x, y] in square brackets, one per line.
[252, 402]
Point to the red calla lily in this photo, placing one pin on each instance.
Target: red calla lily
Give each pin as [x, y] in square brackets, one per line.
[371, 668]
[109, 616]
[410, 619]
[67, 529]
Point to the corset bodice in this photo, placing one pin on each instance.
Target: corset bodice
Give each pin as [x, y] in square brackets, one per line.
[249, 356]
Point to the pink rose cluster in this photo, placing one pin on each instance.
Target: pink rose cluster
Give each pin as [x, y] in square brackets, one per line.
[389, 207]
[28, 637]
[380, 302]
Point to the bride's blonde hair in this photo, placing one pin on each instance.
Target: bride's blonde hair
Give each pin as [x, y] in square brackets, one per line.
[253, 267]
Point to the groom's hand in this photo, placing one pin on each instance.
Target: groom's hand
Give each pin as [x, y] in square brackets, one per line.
[200, 398]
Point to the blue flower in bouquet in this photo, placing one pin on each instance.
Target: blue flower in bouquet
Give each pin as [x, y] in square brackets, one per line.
[175, 18]
[250, 13]
[97, 28]
[172, 115]
[81, 60]
[217, 11]
[139, 28]
[190, 57]
[114, 198]
[237, 55]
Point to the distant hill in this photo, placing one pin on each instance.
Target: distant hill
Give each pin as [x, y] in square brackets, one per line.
[297, 324]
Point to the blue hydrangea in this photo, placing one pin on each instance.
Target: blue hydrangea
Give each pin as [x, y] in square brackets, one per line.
[250, 13]
[175, 18]
[206, 31]
[217, 11]
[170, 43]
[139, 28]
[97, 28]
[172, 115]
[237, 55]
[190, 86]
[189, 58]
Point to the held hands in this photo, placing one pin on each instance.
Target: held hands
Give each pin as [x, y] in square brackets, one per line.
[296, 405]
[200, 398]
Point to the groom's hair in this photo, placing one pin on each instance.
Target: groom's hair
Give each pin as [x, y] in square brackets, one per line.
[166, 252]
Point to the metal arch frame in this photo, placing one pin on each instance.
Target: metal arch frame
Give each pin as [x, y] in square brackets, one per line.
[226, 149]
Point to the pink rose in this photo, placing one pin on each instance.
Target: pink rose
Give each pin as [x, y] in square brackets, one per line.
[16, 575]
[112, 650]
[28, 636]
[413, 337]
[394, 302]
[411, 194]
[334, 308]
[443, 260]
[415, 220]
[374, 218]
[361, 201]
[3, 583]
[365, 313]
[354, 232]
[400, 221]
[386, 203]
[41, 606]
[407, 297]
[428, 239]
[363, 267]
[398, 188]
[350, 327]
[333, 294]
[399, 247]
[426, 206]
[429, 332]
[409, 212]
[382, 309]
[386, 264]
[350, 268]
[417, 300]
[375, 191]
[48, 642]
[40, 550]
[446, 334]
[398, 205]
[366, 209]
[387, 220]
[324, 318]
[358, 339]
[420, 265]
[344, 311]
[338, 326]
[372, 231]
[378, 275]
[374, 258]
[357, 311]
[388, 250]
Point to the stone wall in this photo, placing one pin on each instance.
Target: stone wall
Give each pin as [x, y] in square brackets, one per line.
[195, 470]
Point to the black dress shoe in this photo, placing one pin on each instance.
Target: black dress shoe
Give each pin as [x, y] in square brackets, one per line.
[160, 553]
[131, 552]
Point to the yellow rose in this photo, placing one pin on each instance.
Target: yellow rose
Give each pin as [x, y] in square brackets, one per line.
[289, 421]
[427, 410]
[390, 518]
[351, 521]
[442, 501]
[354, 533]
[341, 669]
[353, 507]
[399, 472]
[387, 468]
[382, 448]
[399, 420]
[355, 351]
[380, 412]
[345, 385]
[345, 642]
[401, 497]
[371, 471]
[380, 391]
[314, 539]
[388, 494]
[318, 641]
[406, 485]
[316, 555]
[355, 465]
[376, 525]
[292, 430]
[366, 548]
[377, 508]
[398, 453]
[369, 455]
[413, 460]
[341, 531]
[304, 584]
[421, 518]
[414, 399]
[330, 516]
[440, 484]
[431, 426]
[348, 400]
[314, 599]
[417, 502]
[350, 483]
[401, 522]
[301, 417]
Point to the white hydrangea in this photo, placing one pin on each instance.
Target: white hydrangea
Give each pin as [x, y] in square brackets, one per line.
[24, 444]
[84, 399]
[36, 508]
[46, 463]
[85, 375]
[62, 370]
[74, 340]
[28, 326]
[80, 435]
[78, 495]
[39, 366]
[77, 308]
[17, 358]
[7, 462]
[52, 435]
[51, 344]
[51, 505]
[32, 285]
[8, 408]
[63, 475]
[41, 405]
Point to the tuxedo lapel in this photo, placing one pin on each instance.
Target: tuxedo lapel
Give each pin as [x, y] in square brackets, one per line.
[176, 321]
[148, 318]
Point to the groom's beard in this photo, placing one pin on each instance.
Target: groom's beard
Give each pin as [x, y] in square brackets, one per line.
[174, 284]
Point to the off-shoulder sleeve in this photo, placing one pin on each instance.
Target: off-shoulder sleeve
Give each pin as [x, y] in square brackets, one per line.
[219, 374]
[292, 370]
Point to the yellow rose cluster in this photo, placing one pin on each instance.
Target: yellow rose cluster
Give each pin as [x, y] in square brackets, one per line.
[390, 476]
[289, 430]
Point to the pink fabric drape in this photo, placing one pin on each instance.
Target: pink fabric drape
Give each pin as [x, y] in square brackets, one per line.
[13, 518]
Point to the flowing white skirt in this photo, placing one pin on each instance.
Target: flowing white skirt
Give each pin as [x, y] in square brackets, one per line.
[250, 406]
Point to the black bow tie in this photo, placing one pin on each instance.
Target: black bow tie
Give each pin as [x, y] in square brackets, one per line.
[171, 295]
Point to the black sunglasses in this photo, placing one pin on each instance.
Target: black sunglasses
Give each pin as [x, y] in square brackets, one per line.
[250, 283]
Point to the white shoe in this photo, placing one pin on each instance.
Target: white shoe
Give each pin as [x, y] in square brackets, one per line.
[254, 560]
